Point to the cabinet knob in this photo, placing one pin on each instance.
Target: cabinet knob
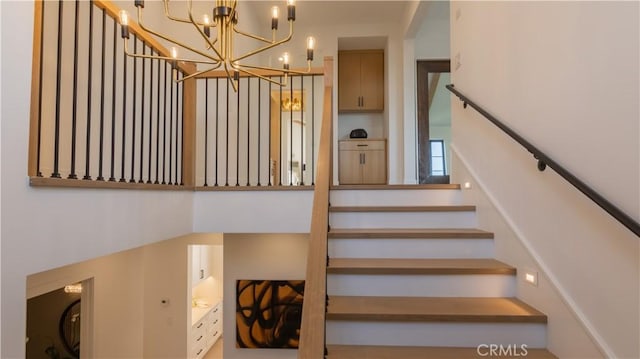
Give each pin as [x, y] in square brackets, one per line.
[201, 273]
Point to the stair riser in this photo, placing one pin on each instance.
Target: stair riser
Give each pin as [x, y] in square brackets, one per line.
[403, 220]
[435, 334]
[481, 285]
[395, 197]
[410, 248]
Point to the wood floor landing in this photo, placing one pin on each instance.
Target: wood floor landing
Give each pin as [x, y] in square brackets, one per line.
[431, 309]
[382, 352]
[456, 208]
[417, 266]
[426, 233]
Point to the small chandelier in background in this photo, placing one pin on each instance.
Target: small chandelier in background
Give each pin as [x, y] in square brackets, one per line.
[219, 51]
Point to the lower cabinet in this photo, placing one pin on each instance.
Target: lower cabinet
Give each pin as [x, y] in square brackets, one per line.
[206, 331]
[362, 162]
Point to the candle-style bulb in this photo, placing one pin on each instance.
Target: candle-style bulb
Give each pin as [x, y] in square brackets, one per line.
[207, 24]
[274, 17]
[124, 24]
[311, 44]
[291, 10]
[174, 53]
[285, 60]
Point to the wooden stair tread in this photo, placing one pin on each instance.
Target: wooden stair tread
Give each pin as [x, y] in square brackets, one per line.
[433, 309]
[454, 208]
[425, 233]
[417, 266]
[396, 187]
[399, 352]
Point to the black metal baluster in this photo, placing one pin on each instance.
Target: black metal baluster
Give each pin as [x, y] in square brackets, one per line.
[133, 110]
[217, 119]
[56, 145]
[227, 141]
[181, 103]
[102, 85]
[178, 126]
[112, 177]
[259, 119]
[157, 181]
[302, 166]
[206, 129]
[150, 115]
[164, 126]
[87, 176]
[269, 150]
[290, 147]
[280, 146]
[38, 172]
[248, 126]
[124, 117]
[74, 117]
[238, 135]
[144, 69]
[171, 129]
[313, 130]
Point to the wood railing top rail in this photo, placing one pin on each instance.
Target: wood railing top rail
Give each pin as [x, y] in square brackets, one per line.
[114, 12]
[544, 160]
[312, 331]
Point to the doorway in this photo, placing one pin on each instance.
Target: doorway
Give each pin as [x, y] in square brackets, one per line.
[434, 121]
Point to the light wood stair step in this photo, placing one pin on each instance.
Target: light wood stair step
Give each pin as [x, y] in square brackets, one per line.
[390, 352]
[396, 187]
[425, 233]
[418, 266]
[431, 309]
[456, 208]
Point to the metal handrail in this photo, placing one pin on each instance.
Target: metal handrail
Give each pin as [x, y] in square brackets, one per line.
[544, 161]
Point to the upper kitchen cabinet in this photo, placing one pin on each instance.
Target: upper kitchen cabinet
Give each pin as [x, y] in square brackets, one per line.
[361, 81]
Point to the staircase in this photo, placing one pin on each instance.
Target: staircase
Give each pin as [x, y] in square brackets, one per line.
[410, 277]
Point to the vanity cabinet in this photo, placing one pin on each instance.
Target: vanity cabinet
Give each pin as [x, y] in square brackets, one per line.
[361, 81]
[362, 162]
[206, 329]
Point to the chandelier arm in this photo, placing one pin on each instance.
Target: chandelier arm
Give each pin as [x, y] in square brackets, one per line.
[242, 69]
[200, 72]
[230, 77]
[268, 46]
[204, 54]
[295, 72]
[167, 13]
[204, 36]
[166, 58]
[235, 29]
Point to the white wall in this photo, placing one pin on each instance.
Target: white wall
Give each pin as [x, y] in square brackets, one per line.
[255, 211]
[48, 228]
[259, 256]
[556, 85]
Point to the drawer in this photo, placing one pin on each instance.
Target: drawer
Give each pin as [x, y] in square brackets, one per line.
[362, 145]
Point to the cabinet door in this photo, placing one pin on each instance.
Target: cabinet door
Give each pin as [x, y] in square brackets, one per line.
[195, 265]
[349, 169]
[372, 81]
[374, 169]
[348, 81]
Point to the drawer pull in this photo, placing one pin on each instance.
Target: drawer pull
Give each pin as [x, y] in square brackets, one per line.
[199, 338]
[216, 310]
[216, 333]
[199, 351]
[360, 145]
[200, 325]
[215, 322]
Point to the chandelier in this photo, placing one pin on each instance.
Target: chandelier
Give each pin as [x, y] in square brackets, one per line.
[218, 51]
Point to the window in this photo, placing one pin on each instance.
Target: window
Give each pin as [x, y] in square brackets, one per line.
[438, 167]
